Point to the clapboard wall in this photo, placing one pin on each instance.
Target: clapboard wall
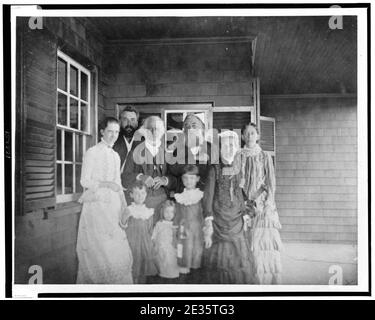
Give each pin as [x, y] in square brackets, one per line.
[178, 71]
[46, 231]
[316, 160]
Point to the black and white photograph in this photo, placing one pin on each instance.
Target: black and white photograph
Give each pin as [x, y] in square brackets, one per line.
[189, 150]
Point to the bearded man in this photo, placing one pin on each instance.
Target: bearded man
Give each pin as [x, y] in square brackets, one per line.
[126, 144]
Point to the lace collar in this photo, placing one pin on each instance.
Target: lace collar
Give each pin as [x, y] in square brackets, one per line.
[188, 197]
[140, 211]
[253, 151]
[167, 222]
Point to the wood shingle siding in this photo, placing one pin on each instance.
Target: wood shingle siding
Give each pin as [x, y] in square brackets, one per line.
[316, 176]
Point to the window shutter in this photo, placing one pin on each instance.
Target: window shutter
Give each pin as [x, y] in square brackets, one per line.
[267, 136]
[39, 165]
[267, 133]
[39, 113]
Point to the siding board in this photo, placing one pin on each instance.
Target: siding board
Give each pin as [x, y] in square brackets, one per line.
[316, 174]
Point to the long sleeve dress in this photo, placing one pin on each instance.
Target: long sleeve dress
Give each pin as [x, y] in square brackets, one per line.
[104, 255]
[229, 259]
[139, 231]
[190, 214]
[165, 252]
[258, 183]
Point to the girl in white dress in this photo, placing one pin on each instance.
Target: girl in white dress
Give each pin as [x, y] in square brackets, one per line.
[104, 256]
[164, 239]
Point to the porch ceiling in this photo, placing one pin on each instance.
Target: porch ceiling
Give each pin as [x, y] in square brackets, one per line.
[294, 55]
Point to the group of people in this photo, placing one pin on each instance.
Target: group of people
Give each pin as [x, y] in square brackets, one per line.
[198, 219]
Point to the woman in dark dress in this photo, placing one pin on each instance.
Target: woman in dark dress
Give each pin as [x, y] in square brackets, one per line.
[227, 258]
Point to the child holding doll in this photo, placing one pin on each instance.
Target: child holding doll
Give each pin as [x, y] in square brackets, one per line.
[189, 216]
[164, 242]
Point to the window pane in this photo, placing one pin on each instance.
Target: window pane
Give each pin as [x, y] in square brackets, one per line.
[61, 74]
[84, 86]
[68, 178]
[74, 80]
[79, 188]
[68, 146]
[62, 109]
[73, 113]
[58, 138]
[58, 180]
[84, 117]
[79, 147]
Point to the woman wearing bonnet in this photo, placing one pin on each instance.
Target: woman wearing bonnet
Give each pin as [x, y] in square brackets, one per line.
[227, 258]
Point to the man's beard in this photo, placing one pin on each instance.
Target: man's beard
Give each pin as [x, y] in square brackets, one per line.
[128, 131]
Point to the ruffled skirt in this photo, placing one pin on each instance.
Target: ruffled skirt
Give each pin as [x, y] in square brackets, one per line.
[266, 246]
[229, 261]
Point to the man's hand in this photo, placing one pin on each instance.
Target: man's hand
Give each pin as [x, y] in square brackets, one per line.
[160, 181]
[147, 180]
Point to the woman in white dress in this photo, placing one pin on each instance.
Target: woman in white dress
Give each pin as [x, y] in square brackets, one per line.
[104, 255]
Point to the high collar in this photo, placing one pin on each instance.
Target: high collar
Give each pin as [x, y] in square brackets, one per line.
[106, 143]
[252, 151]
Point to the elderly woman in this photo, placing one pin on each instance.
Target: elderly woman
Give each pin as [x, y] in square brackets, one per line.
[228, 257]
[195, 150]
[149, 163]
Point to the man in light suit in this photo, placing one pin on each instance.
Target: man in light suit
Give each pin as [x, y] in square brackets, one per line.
[125, 145]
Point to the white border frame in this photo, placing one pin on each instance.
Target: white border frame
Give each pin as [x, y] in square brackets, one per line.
[363, 249]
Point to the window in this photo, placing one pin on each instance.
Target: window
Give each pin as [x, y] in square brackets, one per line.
[72, 125]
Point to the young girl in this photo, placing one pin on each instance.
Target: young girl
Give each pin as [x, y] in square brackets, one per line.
[189, 214]
[138, 222]
[163, 238]
[228, 258]
[258, 183]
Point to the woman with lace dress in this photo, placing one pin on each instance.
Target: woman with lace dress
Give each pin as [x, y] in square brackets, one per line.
[258, 184]
[104, 255]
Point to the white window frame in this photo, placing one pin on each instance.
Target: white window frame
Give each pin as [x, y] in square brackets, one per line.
[66, 128]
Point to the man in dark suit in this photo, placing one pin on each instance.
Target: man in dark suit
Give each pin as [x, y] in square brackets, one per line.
[126, 144]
